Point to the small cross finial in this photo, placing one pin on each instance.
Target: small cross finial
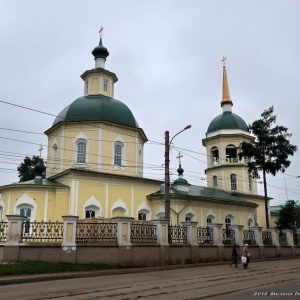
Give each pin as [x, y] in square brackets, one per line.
[100, 31]
[41, 149]
[223, 60]
[179, 157]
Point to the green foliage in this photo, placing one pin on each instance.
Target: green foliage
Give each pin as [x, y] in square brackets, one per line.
[271, 147]
[39, 267]
[26, 170]
[289, 215]
[269, 151]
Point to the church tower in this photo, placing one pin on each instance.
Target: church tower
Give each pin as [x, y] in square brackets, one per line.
[224, 136]
[96, 132]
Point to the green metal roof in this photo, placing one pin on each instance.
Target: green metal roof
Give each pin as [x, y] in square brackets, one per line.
[202, 192]
[227, 120]
[97, 108]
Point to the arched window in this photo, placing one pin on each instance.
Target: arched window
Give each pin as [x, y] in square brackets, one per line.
[231, 154]
[210, 219]
[250, 222]
[214, 156]
[160, 216]
[1, 213]
[54, 158]
[233, 182]
[189, 217]
[81, 152]
[250, 183]
[90, 213]
[118, 212]
[118, 154]
[25, 212]
[142, 216]
[215, 181]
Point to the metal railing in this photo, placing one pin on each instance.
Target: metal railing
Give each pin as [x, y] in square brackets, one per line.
[3, 231]
[267, 237]
[35, 232]
[143, 233]
[177, 235]
[228, 236]
[96, 233]
[205, 235]
[249, 237]
[282, 239]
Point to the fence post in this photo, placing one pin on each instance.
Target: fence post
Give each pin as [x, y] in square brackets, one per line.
[258, 235]
[275, 237]
[217, 232]
[123, 230]
[289, 236]
[238, 233]
[161, 231]
[13, 239]
[191, 232]
[69, 236]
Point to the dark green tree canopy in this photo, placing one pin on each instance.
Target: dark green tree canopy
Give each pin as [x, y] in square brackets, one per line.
[271, 148]
[289, 216]
[269, 151]
[26, 168]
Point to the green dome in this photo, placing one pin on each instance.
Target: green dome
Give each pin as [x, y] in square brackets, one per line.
[100, 51]
[97, 108]
[227, 120]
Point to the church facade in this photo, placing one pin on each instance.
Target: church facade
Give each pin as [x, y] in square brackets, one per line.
[95, 156]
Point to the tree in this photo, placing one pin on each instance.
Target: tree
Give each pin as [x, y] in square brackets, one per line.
[26, 168]
[270, 150]
[289, 216]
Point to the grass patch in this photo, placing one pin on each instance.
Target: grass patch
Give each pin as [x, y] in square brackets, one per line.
[39, 267]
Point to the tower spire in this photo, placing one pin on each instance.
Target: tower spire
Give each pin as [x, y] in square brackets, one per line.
[226, 102]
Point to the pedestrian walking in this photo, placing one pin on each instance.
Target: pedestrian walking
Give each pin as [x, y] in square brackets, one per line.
[234, 256]
[246, 254]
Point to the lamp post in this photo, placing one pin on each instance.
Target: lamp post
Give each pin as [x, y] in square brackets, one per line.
[167, 170]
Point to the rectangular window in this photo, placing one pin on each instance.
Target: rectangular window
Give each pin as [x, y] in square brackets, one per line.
[215, 181]
[81, 153]
[250, 183]
[233, 182]
[118, 155]
[105, 85]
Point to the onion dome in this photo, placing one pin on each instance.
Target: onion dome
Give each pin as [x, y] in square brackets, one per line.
[100, 51]
[180, 183]
[39, 168]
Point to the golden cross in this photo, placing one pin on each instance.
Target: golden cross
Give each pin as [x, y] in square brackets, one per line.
[41, 149]
[179, 156]
[100, 31]
[223, 60]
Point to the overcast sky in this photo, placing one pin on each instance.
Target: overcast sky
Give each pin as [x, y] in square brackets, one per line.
[167, 56]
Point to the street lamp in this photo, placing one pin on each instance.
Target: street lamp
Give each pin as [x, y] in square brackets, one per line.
[167, 170]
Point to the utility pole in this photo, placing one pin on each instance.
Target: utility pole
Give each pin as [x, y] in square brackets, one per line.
[167, 176]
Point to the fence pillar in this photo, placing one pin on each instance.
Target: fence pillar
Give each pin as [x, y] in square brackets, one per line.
[14, 229]
[69, 236]
[123, 230]
[13, 238]
[275, 237]
[217, 233]
[162, 232]
[258, 235]
[191, 232]
[238, 233]
[289, 236]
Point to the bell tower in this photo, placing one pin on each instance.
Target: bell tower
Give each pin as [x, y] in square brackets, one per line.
[223, 138]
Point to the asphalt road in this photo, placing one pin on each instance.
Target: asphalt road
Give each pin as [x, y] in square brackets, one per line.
[264, 279]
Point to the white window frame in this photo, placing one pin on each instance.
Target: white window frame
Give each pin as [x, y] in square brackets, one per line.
[233, 182]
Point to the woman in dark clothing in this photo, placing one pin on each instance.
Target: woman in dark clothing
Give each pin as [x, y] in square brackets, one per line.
[234, 256]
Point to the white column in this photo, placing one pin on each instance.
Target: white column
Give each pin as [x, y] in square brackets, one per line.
[289, 236]
[217, 233]
[69, 235]
[258, 235]
[191, 232]
[123, 230]
[14, 230]
[161, 231]
[238, 233]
